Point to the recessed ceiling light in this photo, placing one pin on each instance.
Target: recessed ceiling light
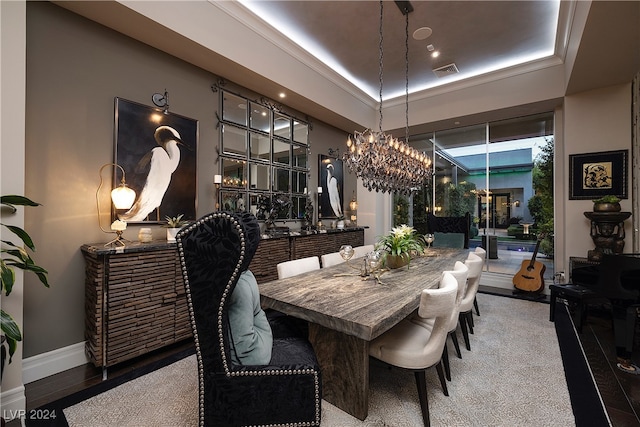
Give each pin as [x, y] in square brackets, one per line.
[422, 33]
[435, 54]
[282, 95]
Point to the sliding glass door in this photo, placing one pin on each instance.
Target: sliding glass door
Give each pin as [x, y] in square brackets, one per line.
[494, 173]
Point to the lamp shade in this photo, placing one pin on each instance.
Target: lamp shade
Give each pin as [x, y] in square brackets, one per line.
[353, 204]
[123, 197]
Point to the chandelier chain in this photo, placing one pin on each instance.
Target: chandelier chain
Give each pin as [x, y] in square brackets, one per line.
[406, 75]
[381, 64]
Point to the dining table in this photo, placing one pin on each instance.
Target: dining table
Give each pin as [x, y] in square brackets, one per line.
[345, 311]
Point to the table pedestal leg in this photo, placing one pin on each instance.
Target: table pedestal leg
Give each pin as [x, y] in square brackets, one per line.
[344, 363]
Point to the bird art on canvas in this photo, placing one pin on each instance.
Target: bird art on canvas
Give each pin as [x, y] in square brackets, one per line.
[159, 164]
[334, 193]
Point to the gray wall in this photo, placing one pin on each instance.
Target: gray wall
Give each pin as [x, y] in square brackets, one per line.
[75, 69]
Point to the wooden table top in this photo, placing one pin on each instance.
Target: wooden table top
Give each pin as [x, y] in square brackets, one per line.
[349, 304]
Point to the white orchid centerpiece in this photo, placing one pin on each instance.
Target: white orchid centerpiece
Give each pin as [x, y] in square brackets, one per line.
[402, 241]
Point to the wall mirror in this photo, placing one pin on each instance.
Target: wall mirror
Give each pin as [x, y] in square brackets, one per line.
[264, 158]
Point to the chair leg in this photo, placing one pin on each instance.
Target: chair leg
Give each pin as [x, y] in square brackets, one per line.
[454, 338]
[445, 390]
[465, 334]
[475, 304]
[421, 383]
[470, 322]
[445, 362]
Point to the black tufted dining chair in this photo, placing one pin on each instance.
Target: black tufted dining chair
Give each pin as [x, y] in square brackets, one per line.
[213, 252]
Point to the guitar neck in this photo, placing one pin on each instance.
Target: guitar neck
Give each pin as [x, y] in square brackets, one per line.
[535, 253]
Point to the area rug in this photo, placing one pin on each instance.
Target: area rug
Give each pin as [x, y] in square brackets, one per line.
[513, 376]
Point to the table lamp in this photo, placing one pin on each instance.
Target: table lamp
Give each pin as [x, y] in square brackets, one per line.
[122, 197]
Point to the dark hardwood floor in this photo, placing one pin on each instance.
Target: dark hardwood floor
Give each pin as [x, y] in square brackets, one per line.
[620, 391]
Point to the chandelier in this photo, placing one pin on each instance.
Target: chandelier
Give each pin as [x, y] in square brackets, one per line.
[385, 163]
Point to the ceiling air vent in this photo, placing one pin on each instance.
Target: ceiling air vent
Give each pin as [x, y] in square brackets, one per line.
[446, 70]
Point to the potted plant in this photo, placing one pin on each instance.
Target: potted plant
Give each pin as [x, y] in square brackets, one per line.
[607, 203]
[14, 256]
[173, 225]
[400, 244]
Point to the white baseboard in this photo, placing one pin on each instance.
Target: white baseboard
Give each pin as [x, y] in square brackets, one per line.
[46, 364]
[14, 403]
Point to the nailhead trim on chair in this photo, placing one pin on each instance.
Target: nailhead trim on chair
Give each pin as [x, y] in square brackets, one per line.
[228, 372]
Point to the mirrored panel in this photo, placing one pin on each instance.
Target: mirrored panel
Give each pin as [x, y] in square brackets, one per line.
[259, 117]
[234, 108]
[281, 151]
[234, 140]
[282, 125]
[259, 205]
[259, 177]
[299, 182]
[259, 146]
[233, 201]
[234, 173]
[300, 132]
[281, 204]
[280, 180]
[298, 207]
[300, 156]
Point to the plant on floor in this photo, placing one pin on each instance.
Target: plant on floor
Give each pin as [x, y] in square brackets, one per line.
[14, 256]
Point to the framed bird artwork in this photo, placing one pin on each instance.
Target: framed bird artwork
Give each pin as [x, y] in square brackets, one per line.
[157, 150]
[331, 180]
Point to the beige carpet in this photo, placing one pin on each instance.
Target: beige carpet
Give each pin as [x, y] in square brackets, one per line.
[512, 377]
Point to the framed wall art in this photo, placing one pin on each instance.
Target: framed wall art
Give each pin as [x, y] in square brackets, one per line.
[593, 175]
[158, 152]
[330, 178]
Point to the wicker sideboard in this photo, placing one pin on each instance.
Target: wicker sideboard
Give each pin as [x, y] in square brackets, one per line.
[135, 299]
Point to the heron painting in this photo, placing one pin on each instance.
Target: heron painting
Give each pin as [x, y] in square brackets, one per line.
[331, 181]
[158, 153]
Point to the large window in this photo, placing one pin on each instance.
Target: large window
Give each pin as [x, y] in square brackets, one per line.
[264, 159]
[501, 174]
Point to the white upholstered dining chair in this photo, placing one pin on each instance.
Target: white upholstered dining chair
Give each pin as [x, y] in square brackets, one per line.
[474, 262]
[333, 258]
[411, 346]
[482, 254]
[297, 266]
[459, 272]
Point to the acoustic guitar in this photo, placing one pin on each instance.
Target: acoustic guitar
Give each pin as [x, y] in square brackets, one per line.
[530, 277]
